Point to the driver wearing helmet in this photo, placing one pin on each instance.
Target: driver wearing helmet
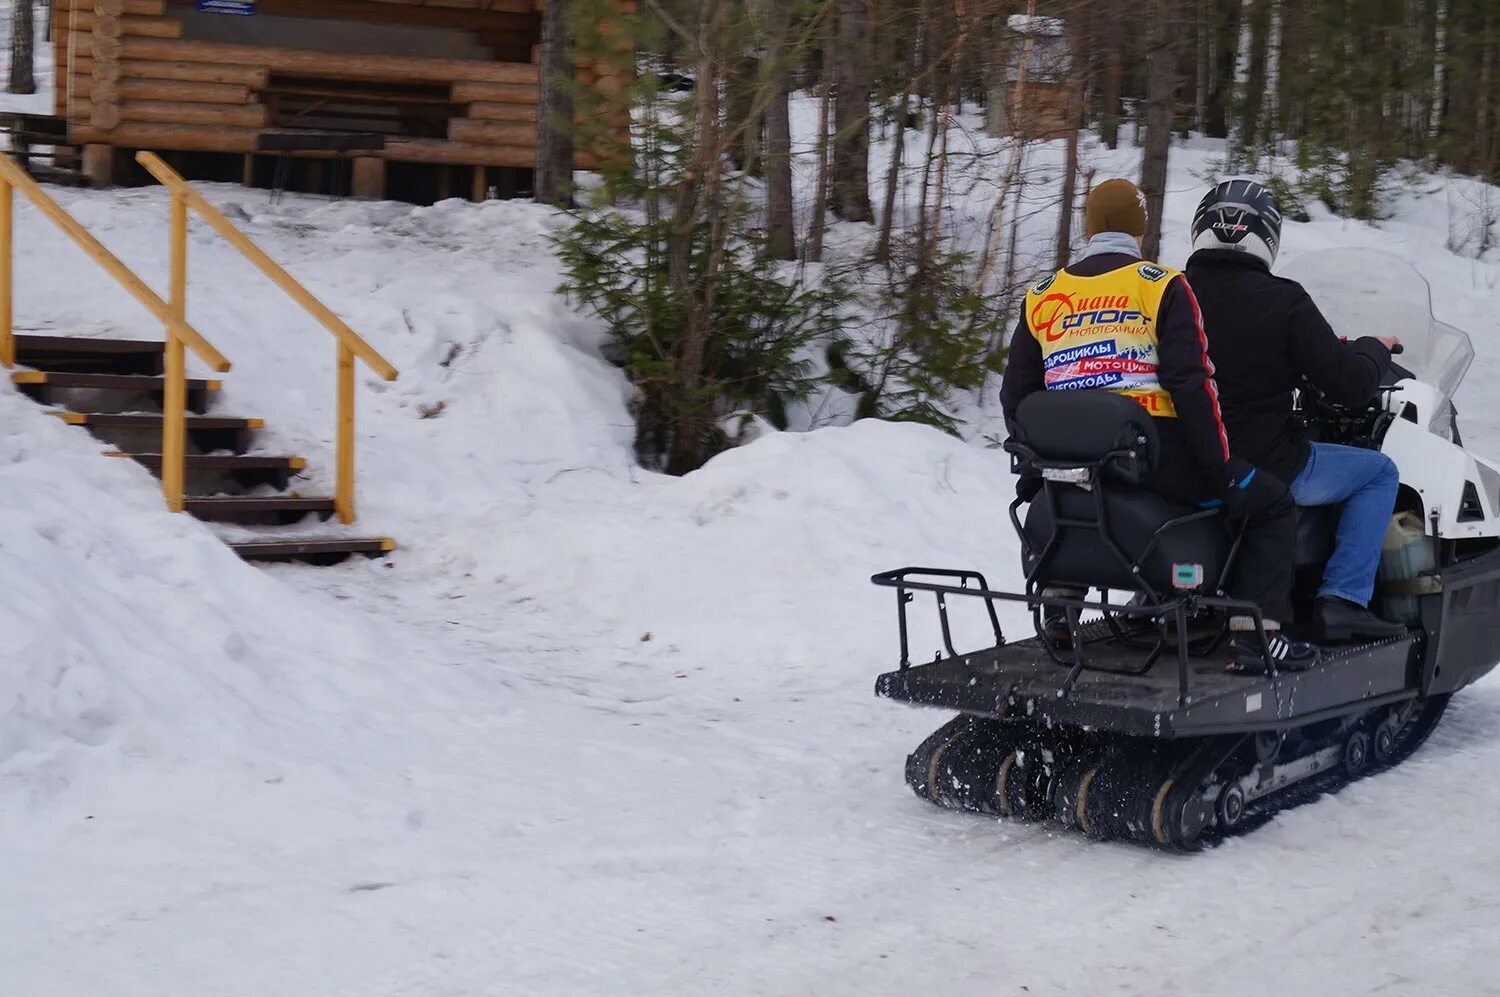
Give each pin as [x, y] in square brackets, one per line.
[1265, 335]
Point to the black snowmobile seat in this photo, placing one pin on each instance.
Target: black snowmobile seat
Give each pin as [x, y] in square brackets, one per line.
[1098, 448]
[1066, 429]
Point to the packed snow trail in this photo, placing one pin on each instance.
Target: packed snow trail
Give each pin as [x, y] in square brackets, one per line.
[593, 730]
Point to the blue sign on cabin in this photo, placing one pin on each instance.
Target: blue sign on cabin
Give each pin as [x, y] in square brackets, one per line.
[242, 8]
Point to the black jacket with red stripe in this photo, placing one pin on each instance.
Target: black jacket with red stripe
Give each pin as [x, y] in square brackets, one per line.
[1266, 335]
[1184, 370]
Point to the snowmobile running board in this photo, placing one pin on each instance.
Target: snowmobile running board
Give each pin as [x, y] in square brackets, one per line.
[1105, 687]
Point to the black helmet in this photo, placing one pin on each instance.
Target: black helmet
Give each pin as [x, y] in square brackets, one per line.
[1239, 215]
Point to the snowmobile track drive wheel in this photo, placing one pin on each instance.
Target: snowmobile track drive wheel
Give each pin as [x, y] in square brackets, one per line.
[1022, 785]
[1356, 754]
[1230, 808]
[956, 767]
[1383, 744]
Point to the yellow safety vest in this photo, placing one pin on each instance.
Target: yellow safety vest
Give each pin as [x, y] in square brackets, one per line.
[1100, 332]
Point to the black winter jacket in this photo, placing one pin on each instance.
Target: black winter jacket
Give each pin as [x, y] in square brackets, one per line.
[1183, 369]
[1265, 335]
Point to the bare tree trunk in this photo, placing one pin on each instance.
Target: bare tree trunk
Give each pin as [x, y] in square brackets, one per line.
[1439, 68]
[1160, 64]
[1069, 194]
[893, 181]
[813, 253]
[554, 130]
[22, 42]
[851, 147]
[1204, 70]
[743, 113]
[1483, 154]
[1240, 100]
[1109, 128]
[780, 224]
[1270, 107]
[698, 189]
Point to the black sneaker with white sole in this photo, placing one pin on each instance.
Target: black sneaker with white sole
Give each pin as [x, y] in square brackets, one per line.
[1248, 654]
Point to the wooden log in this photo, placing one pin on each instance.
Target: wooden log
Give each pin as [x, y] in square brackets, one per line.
[105, 117]
[119, 25]
[370, 11]
[108, 71]
[490, 133]
[497, 93]
[144, 8]
[85, 88]
[368, 177]
[253, 77]
[178, 90]
[104, 49]
[431, 150]
[179, 138]
[487, 111]
[99, 163]
[171, 112]
[332, 65]
[114, 7]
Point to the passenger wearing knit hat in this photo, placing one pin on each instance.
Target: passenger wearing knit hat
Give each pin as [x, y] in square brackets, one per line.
[1115, 206]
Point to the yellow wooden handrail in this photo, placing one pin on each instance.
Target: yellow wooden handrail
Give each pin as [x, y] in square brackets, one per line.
[12, 177]
[350, 345]
[173, 316]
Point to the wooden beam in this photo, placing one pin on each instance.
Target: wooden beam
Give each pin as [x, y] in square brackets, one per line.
[87, 88]
[486, 111]
[402, 13]
[490, 133]
[169, 112]
[369, 177]
[179, 138]
[497, 93]
[253, 77]
[113, 26]
[332, 65]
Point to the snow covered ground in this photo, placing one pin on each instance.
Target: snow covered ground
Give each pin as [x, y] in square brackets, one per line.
[593, 730]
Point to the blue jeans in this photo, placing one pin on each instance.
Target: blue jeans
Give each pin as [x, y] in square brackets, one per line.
[1365, 481]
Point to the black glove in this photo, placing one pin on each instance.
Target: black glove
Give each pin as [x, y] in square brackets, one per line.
[1241, 473]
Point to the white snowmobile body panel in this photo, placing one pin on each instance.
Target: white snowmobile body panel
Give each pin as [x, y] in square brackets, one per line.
[1460, 491]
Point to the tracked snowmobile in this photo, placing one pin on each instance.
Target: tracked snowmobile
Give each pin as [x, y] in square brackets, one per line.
[1140, 727]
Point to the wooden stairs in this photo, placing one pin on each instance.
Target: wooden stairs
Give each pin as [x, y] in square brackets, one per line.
[108, 386]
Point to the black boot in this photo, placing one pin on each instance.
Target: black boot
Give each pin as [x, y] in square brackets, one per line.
[1056, 619]
[1255, 658]
[1339, 620]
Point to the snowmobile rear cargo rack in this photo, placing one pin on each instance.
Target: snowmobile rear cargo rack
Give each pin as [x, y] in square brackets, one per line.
[1178, 609]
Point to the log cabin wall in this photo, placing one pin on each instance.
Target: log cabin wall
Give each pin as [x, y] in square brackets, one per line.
[451, 87]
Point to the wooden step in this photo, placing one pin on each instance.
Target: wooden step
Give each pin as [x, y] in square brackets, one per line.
[320, 552]
[99, 356]
[281, 510]
[206, 432]
[219, 462]
[40, 385]
[247, 471]
[153, 420]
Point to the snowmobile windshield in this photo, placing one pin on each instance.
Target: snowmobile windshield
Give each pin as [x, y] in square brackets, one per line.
[1365, 292]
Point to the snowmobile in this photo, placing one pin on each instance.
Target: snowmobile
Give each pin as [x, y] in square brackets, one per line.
[1139, 726]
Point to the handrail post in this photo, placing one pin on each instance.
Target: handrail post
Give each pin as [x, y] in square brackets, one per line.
[174, 421]
[343, 501]
[7, 270]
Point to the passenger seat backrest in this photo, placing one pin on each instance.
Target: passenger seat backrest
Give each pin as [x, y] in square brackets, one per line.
[1055, 429]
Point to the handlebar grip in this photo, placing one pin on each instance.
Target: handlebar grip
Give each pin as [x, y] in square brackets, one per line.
[1398, 349]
